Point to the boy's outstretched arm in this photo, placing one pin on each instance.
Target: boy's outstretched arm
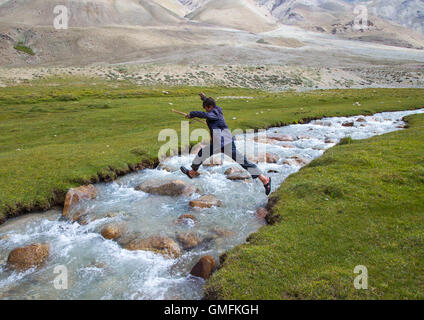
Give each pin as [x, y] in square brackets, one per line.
[203, 115]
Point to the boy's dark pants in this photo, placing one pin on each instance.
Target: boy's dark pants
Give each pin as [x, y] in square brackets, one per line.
[229, 150]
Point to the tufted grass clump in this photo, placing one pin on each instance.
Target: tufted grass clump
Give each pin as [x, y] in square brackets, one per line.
[346, 140]
[21, 47]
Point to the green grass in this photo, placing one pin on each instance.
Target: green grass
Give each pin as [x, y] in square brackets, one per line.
[362, 203]
[20, 46]
[59, 133]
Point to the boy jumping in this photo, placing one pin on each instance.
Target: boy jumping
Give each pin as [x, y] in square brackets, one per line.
[222, 142]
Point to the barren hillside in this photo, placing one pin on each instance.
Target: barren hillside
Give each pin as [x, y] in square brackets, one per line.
[238, 14]
[216, 32]
[85, 13]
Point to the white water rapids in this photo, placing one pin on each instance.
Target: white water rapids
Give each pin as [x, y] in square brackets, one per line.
[102, 269]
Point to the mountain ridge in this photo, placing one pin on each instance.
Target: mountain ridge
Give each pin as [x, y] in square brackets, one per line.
[217, 32]
[408, 13]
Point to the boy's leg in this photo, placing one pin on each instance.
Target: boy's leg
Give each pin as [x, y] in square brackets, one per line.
[252, 168]
[204, 154]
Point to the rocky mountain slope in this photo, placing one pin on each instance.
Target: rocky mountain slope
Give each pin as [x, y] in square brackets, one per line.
[238, 14]
[408, 13]
[287, 32]
[88, 13]
[386, 22]
[174, 6]
[318, 13]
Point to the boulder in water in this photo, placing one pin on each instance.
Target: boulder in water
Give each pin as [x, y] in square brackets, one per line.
[283, 137]
[236, 174]
[222, 233]
[242, 176]
[299, 160]
[348, 124]
[267, 157]
[265, 140]
[84, 220]
[272, 158]
[4, 237]
[214, 161]
[28, 257]
[189, 240]
[261, 213]
[232, 170]
[168, 168]
[273, 171]
[126, 238]
[112, 231]
[172, 188]
[163, 245]
[75, 195]
[304, 137]
[204, 268]
[207, 201]
[79, 216]
[186, 218]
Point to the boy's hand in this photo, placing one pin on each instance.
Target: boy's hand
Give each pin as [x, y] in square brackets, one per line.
[202, 96]
[188, 116]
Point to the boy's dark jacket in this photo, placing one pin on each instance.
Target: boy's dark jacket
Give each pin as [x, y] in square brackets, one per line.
[217, 125]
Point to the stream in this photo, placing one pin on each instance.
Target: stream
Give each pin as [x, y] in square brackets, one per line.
[102, 269]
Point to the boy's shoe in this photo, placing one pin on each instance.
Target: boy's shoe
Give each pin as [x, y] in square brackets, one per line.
[186, 172]
[268, 187]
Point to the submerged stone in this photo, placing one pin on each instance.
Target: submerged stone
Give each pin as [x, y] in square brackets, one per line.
[232, 170]
[112, 231]
[28, 257]
[75, 195]
[172, 188]
[265, 140]
[283, 137]
[298, 160]
[204, 268]
[162, 245]
[222, 233]
[214, 161]
[266, 157]
[348, 124]
[189, 240]
[261, 213]
[236, 174]
[186, 218]
[5, 237]
[207, 201]
[304, 137]
[168, 168]
[273, 171]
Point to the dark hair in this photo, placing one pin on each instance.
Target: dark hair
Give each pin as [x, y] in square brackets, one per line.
[209, 102]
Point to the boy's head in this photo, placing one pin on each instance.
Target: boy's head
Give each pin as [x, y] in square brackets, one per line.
[209, 104]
